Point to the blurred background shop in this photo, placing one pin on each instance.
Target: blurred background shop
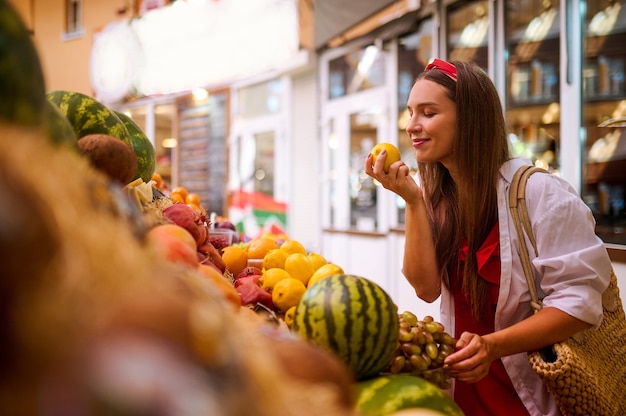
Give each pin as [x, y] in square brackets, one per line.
[269, 119]
[559, 67]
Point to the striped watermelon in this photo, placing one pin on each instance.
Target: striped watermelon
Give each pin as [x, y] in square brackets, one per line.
[88, 115]
[146, 156]
[385, 395]
[58, 128]
[352, 316]
[22, 90]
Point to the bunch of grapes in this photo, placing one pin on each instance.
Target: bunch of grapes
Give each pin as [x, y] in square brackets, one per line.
[422, 348]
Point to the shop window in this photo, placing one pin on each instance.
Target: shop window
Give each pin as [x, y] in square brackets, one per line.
[263, 175]
[362, 190]
[260, 99]
[414, 53]
[333, 144]
[356, 71]
[532, 98]
[165, 141]
[73, 19]
[604, 103]
[467, 30]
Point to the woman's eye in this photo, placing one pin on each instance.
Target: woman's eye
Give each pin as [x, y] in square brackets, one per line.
[428, 114]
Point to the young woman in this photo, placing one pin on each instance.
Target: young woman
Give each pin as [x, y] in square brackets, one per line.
[461, 243]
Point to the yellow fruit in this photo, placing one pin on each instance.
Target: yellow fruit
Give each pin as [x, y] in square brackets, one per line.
[393, 154]
[270, 277]
[275, 258]
[293, 246]
[287, 293]
[259, 247]
[289, 316]
[317, 260]
[299, 267]
[323, 272]
[235, 259]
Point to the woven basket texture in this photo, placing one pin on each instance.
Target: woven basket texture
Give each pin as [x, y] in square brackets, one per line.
[588, 376]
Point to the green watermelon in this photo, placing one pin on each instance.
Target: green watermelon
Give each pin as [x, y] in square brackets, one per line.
[22, 89]
[387, 394]
[58, 128]
[88, 115]
[146, 156]
[353, 317]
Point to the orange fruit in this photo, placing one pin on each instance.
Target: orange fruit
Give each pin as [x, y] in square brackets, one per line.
[221, 283]
[317, 260]
[299, 267]
[293, 246]
[259, 247]
[182, 191]
[393, 154]
[271, 277]
[177, 198]
[193, 199]
[235, 259]
[275, 258]
[287, 293]
[323, 272]
[158, 179]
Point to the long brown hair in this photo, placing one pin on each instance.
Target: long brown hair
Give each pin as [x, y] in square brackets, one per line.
[468, 208]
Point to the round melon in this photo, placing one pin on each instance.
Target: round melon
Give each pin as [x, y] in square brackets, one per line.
[88, 115]
[146, 155]
[58, 128]
[386, 395]
[352, 316]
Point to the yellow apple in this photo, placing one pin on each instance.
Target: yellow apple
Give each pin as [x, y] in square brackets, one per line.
[393, 154]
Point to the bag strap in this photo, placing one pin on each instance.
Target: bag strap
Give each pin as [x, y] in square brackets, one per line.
[519, 213]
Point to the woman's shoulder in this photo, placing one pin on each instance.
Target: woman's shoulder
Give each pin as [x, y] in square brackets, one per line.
[539, 182]
[546, 191]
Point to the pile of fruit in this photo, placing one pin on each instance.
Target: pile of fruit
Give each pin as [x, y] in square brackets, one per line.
[423, 346]
[128, 271]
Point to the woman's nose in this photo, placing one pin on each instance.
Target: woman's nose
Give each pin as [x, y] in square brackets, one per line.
[413, 126]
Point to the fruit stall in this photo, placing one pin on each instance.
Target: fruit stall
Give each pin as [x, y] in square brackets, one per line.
[123, 296]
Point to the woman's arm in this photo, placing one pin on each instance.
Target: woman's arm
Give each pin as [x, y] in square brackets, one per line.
[474, 354]
[420, 265]
[420, 262]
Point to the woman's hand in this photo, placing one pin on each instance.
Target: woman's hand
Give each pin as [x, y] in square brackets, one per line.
[397, 180]
[474, 354]
[472, 360]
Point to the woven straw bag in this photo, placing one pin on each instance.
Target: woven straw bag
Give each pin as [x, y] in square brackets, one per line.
[587, 372]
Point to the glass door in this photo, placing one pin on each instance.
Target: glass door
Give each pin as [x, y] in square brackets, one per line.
[353, 125]
[604, 104]
[467, 33]
[257, 200]
[532, 29]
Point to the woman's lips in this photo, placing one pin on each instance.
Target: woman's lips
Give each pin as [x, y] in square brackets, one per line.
[418, 142]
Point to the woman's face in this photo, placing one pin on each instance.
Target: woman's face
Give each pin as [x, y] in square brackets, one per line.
[432, 126]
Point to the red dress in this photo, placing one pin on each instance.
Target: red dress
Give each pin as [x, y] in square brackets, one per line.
[494, 394]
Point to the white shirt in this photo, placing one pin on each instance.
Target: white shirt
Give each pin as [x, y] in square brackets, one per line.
[572, 270]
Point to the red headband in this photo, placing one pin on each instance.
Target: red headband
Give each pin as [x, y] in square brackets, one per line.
[443, 66]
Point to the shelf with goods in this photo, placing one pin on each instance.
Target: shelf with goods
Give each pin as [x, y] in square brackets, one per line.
[604, 91]
[533, 108]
